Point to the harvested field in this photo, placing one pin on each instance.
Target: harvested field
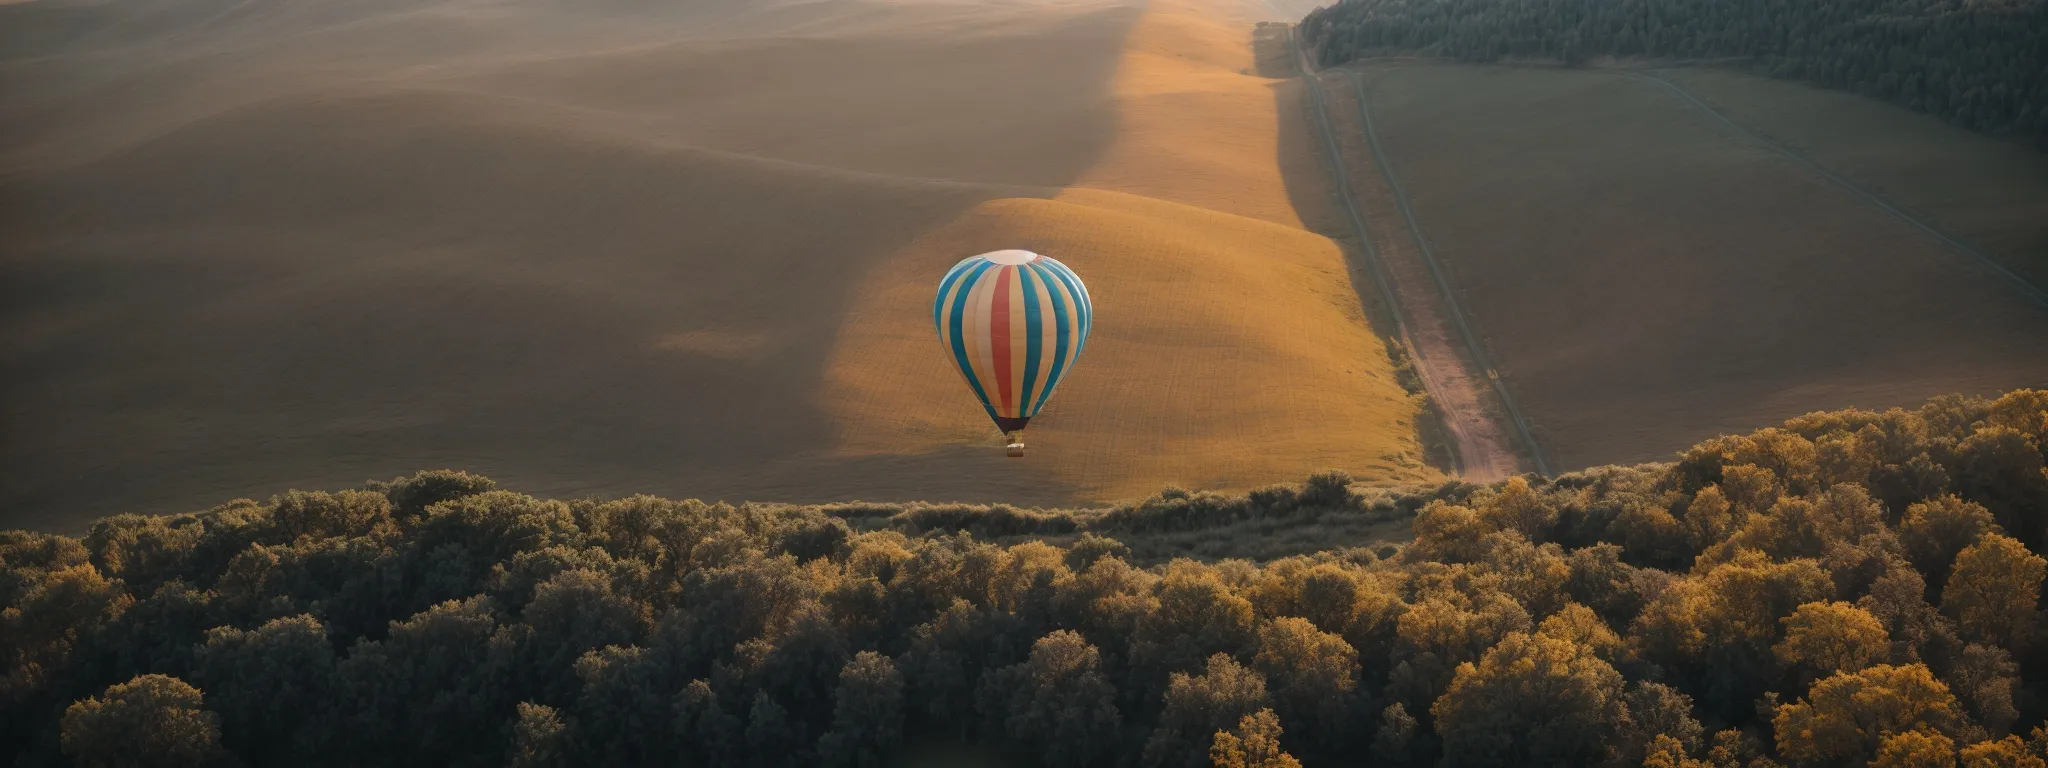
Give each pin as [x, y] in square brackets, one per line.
[1645, 279]
[677, 248]
[1991, 193]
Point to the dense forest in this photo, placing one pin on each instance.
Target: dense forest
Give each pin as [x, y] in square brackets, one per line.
[1981, 65]
[1850, 588]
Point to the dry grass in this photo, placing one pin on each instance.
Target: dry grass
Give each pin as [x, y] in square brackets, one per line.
[1229, 350]
[1646, 281]
[1250, 367]
[680, 248]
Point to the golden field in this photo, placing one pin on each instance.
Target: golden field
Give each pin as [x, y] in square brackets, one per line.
[680, 249]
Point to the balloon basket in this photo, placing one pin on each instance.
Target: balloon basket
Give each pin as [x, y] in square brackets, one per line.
[1016, 446]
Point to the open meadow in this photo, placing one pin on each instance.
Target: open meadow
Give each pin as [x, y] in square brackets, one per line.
[1991, 193]
[1646, 279]
[680, 248]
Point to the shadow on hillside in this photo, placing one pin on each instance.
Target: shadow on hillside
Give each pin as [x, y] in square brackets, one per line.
[1312, 190]
[549, 267]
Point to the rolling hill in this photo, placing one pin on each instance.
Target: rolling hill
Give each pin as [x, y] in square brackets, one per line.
[684, 248]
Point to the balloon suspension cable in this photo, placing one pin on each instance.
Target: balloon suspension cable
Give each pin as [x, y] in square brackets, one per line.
[1016, 443]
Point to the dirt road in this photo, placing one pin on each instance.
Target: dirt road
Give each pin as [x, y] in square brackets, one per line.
[1425, 316]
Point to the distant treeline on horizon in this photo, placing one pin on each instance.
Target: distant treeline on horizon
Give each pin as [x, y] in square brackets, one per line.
[1980, 65]
[1850, 588]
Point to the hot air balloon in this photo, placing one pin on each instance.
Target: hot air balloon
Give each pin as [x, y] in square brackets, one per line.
[1013, 322]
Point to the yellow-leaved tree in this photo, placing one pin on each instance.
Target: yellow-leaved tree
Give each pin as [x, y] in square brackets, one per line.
[1255, 744]
[1993, 590]
[1832, 637]
[1915, 749]
[1846, 718]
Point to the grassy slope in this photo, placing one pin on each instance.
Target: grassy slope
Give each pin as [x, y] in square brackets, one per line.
[687, 249]
[1647, 281]
[1229, 350]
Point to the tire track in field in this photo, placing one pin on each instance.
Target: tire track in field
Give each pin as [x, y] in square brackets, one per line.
[1482, 451]
[1984, 261]
[1310, 84]
[1445, 293]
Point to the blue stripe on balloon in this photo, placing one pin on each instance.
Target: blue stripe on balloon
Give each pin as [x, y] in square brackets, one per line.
[1063, 328]
[1084, 310]
[1034, 344]
[959, 338]
[952, 276]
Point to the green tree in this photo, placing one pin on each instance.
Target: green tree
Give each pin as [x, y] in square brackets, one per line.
[1993, 591]
[773, 741]
[622, 695]
[1448, 533]
[266, 682]
[1666, 752]
[1516, 507]
[1197, 615]
[867, 712]
[151, 721]
[1254, 744]
[1090, 547]
[1751, 490]
[1328, 489]
[1601, 581]
[1529, 701]
[2009, 752]
[1983, 678]
[1581, 625]
[709, 734]
[538, 740]
[1197, 706]
[1917, 630]
[1846, 717]
[949, 655]
[1401, 742]
[1313, 675]
[26, 557]
[1533, 575]
[1459, 628]
[2002, 469]
[40, 630]
[1832, 637]
[1056, 700]
[141, 551]
[1710, 518]
[1915, 749]
[1937, 530]
[424, 692]
[1652, 537]
[319, 514]
[573, 613]
[411, 496]
[1107, 600]
[1717, 629]
[1655, 711]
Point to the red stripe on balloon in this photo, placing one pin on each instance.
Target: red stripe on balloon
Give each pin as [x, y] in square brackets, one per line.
[999, 331]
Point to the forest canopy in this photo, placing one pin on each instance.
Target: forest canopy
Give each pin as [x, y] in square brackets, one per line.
[1849, 588]
[1983, 66]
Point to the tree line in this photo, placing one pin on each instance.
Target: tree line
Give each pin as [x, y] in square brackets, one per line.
[1983, 66]
[1849, 588]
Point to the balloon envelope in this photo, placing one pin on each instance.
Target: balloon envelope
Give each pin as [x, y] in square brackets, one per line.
[1012, 322]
